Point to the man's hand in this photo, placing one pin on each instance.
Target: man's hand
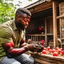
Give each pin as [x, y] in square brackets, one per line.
[40, 46]
[35, 47]
[24, 44]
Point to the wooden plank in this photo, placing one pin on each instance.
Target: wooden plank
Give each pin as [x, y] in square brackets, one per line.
[41, 7]
[49, 24]
[45, 32]
[47, 58]
[54, 24]
[61, 16]
[41, 61]
[35, 34]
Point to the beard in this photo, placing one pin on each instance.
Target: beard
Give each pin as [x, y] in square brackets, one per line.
[19, 25]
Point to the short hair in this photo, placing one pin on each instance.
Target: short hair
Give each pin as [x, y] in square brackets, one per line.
[23, 11]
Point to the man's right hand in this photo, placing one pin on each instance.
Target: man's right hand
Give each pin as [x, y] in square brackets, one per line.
[33, 47]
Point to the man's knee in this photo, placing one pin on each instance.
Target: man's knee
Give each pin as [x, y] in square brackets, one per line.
[7, 60]
[29, 60]
[16, 62]
[25, 59]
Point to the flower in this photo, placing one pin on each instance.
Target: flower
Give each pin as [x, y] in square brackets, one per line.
[41, 28]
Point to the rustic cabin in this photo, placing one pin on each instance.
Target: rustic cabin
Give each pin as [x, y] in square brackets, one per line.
[47, 23]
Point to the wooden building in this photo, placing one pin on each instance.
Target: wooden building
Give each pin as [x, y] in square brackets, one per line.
[50, 15]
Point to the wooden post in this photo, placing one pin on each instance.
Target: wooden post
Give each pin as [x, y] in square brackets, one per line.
[54, 24]
[45, 32]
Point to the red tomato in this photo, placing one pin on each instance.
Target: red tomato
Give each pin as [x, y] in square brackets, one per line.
[44, 52]
[62, 52]
[55, 54]
[53, 50]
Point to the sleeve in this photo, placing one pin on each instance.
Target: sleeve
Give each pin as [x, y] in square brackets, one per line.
[8, 45]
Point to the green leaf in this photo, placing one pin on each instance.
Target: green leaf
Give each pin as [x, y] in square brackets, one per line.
[29, 0]
[6, 11]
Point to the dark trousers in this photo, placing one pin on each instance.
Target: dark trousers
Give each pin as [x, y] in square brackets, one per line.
[22, 59]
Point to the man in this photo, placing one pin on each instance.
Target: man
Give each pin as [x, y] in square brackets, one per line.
[12, 37]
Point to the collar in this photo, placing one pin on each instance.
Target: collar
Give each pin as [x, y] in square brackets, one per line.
[14, 26]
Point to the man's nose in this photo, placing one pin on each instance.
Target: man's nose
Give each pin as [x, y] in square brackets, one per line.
[27, 23]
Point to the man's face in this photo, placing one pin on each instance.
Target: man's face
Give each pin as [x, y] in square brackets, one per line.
[23, 22]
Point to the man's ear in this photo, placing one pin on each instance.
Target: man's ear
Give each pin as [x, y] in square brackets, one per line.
[18, 17]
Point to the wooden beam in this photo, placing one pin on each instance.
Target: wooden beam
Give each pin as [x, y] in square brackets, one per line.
[41, 7]
[45, 32]
[54, 24]
[61, 16]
